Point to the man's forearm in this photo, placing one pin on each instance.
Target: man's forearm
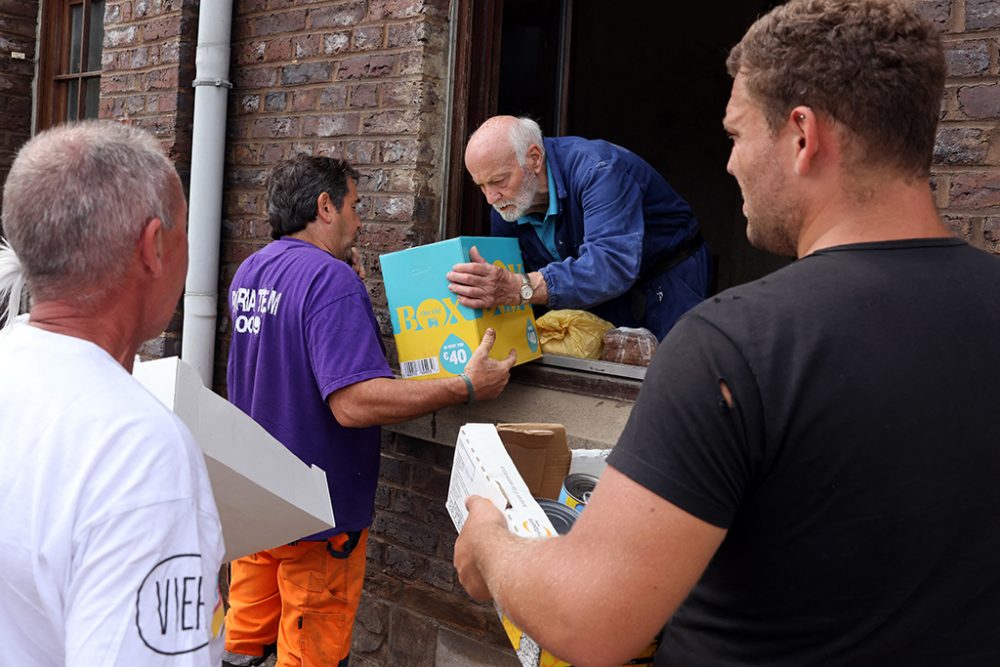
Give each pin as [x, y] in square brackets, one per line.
[388, 401]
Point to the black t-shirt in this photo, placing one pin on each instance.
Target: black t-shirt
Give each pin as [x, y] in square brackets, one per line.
[858, 473]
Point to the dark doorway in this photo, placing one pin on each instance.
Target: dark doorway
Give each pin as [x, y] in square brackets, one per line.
[649, 76]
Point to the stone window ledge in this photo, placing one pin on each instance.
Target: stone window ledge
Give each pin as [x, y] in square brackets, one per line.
[593, 419]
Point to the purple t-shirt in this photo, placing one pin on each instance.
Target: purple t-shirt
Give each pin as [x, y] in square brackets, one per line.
[303, 327]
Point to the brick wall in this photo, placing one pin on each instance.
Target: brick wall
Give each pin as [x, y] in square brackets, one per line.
[18, 22]
[966, 171]
[414, 611]
[147, 69]
[364, 81]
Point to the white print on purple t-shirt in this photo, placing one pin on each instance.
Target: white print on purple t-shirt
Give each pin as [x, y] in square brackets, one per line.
[261, 300]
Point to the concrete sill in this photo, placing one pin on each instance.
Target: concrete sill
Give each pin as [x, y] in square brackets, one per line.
[591, 421]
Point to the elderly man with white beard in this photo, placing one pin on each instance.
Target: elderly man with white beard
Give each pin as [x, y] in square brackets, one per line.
[599, 229]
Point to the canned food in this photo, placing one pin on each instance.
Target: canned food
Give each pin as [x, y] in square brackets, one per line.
[562, 517]
[576, 490]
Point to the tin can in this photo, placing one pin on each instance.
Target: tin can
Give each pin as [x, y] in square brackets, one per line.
[562, 517]
[576, 490]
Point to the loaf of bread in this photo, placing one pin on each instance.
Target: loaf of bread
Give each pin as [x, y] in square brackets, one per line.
[628, 345]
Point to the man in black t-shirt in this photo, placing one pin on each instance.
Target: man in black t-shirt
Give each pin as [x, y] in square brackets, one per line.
[810, 473]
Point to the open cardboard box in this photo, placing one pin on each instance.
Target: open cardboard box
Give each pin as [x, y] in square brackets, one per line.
[266, 495]
[511, 464]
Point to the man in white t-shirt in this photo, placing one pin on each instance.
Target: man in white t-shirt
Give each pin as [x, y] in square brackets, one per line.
[110, 537]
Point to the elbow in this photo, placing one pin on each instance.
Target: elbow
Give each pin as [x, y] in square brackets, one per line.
[588, 640]
[353, 421]
[591, 650]
[351, 416]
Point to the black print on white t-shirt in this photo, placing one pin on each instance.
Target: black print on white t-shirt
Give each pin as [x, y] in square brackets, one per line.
[170, 611]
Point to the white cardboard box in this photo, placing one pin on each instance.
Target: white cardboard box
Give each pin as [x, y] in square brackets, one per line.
[482, 467]
[265, 494]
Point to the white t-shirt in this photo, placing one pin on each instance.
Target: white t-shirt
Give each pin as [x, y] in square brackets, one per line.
[109, 535]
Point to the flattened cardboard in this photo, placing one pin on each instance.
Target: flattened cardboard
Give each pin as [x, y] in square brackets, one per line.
[541, 454]
[482, 467]
[266, 496]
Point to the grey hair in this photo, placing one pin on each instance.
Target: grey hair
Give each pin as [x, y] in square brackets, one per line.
[11, 282]
[524, 134]
[76, 200]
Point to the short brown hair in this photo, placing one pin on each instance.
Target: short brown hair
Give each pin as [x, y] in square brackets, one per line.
[874, 66]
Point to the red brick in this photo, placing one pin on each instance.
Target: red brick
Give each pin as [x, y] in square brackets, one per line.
[333, 97]
[965, 146]
[275, 127]
[968, 58]
[960, 226]
[161, 103]
[244, 154]
[408, 93]
[308, 46]
[248, 52]
[401, 151]
[337, 42]
[413, 63]
[305, 73]
[330, 125]
[991, 233]
[166, 26]
[368, 38]
[364, 96]
[936, 11]
[305, 100]
[390, 122]
[161, 79]
[980, 102]
[364, 67]
[273, 24]
[271, 153]
[255, 77]
[982, 14]
[123, 36]
[169, 53]
[359, 152]
[249, 104]
[401, 9]
[393, 209]
[275, 101]
[417, 33]
[975, 190]
[243, 7]
[336, 16]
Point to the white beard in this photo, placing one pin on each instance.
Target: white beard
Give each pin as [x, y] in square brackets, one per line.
[522, 201]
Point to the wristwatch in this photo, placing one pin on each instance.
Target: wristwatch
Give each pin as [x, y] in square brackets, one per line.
[526, 290]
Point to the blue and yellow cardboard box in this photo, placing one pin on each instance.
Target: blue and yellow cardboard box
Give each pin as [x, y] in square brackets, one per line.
[435, 334]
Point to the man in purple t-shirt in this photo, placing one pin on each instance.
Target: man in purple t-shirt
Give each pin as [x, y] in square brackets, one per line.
[307, 363]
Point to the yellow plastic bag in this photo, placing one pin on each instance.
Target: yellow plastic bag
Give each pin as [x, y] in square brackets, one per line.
[572, 333]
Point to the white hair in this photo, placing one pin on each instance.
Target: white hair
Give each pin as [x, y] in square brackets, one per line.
[523, 134]
[11, 281]
[74, 205]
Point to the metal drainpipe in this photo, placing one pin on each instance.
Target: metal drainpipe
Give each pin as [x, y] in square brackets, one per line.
[208, 146]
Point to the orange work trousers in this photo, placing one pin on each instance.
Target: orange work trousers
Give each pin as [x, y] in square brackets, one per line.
[304, 596]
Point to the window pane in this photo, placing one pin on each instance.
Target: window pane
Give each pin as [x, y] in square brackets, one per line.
[95, 36]
[92, 97]
[75, 36]
[72, 99]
